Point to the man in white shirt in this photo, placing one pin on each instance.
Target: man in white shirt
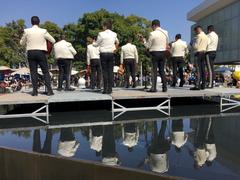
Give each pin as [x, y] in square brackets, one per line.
[157, 45]
[93, 61]
[179, 50]
[129, 57]
[179, 137]
[68, 145]
[64, 54]
[200, 48]
[211, 53]
[130, 135]
[108, 43]
[35, 39]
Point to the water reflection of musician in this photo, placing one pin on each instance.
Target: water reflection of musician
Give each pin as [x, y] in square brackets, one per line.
[96, 138]
[68, 145]
[179, 137]
[204, 143]
[47, 146]
[109, 154]
[130, 135]
[158, 149]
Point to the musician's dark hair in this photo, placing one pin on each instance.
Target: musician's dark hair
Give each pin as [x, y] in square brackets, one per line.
[35, 20]
[156, 22]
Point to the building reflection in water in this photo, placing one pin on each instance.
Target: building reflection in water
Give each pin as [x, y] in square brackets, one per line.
[68, 145]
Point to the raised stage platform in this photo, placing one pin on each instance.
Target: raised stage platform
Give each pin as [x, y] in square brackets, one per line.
[226, 103]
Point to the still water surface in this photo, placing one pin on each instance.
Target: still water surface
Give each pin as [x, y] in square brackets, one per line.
[193, 147]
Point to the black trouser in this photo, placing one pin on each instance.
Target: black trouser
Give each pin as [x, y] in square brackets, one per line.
[200, 67]
[64, 66]
[47, 146]
[107, 61]
[35, 58]
[158, 61]
[210, 58]
[178, 64]
[95, 73]
[130, 69]
[160, 144]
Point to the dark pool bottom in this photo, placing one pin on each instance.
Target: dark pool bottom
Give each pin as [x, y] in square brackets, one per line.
[197, 147]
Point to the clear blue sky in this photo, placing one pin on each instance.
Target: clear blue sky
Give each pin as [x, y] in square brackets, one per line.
[172, 13]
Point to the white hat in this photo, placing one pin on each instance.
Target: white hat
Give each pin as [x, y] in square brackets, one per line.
[159, 163]
[110, 161]
[96, 143]
[179, 138]
[130, 140]
[68, 148]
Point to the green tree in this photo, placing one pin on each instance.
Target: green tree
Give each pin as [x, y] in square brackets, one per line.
[11, 53]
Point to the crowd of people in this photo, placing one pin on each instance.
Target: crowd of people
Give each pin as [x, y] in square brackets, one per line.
[101, 54]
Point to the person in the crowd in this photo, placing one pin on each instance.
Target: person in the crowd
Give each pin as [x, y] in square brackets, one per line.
[178, 137]
[200, 48]
[35, 39]
[68, 145]
[109, 152]
[130, 135]
[108, 44]
[93, 61]
[96, 138]
[211, 54]
[64, 55]
[157, 45]
[129, 58]
[47, 146]
[179, 50]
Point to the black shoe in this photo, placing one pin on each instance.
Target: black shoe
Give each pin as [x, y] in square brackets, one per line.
[152, 90]
[181, 84]
[50, 93]
[104, 92]
[127, 86]
[173, 85]
[34, 93]
[59, 89]
[195, 89]
[134, 85]
[203, 87]
[164, 89]
[70, 89]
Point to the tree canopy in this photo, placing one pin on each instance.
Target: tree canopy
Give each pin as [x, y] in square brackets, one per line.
[90, 24]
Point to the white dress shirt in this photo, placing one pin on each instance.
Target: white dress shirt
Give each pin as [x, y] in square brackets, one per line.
[129, 51]
[34, 38]
[179, 48]
[179, 138]
[107, 41]
[130, 139]
[64, 50]
[158, 40]
[201, 42]
[212, 41]
[92, 53]
[211, 149]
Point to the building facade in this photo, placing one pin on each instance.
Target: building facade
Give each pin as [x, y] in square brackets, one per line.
[225, 16]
